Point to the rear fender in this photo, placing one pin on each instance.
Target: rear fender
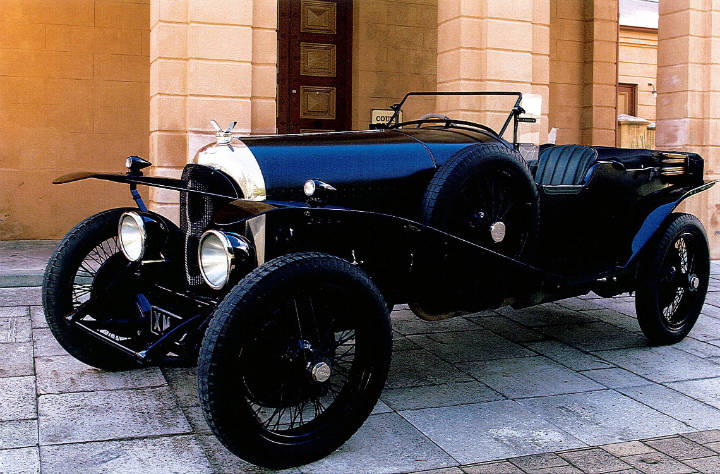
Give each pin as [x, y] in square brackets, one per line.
[655, 220]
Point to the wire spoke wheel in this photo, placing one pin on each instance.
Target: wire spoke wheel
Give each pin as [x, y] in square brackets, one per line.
[85, 262]
[294, 359]
[672, 280]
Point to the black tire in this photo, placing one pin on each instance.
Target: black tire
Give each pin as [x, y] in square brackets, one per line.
[253, 381]
[480, 186]
[69, 279]
[672, 282]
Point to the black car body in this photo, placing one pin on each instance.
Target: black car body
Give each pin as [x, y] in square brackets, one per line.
[590, 219]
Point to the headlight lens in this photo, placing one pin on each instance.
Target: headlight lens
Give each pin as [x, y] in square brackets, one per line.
[132, 233]
[309, 187]
[215, 255]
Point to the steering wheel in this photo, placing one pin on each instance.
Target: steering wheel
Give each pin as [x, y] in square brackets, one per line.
[432, 115]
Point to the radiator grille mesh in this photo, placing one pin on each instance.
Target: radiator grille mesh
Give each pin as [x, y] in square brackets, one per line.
[196, 211]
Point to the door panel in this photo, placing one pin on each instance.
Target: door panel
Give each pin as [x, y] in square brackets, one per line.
[627, 99]
[314, 53]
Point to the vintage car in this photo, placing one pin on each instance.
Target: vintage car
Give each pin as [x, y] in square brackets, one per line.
[292, 249]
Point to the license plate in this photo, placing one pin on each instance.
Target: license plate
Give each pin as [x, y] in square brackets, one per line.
[162, 321]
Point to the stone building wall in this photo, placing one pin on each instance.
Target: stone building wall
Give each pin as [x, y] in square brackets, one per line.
[74, 96]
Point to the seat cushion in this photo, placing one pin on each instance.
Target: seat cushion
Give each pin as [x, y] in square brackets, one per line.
[564, 164]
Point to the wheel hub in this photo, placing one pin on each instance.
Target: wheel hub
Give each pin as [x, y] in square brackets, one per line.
[497, 231]
[320, 372]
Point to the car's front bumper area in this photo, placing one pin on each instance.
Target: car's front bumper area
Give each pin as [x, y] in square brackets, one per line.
[165, 326]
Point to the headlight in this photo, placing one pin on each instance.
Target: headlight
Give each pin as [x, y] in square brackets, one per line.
[133, 235]
[219, 254]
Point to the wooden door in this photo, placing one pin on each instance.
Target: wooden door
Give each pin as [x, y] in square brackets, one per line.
[314, 70]
[627, 99]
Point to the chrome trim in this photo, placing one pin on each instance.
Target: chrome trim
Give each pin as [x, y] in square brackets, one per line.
[237, 161]
[143, 233]
[256, 228]
[233, 244]
[229, 256]
[497, 232]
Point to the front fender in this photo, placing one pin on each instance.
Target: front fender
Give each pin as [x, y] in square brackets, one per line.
[654, 221]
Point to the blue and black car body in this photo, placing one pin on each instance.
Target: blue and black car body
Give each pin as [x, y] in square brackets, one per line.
[441, 214]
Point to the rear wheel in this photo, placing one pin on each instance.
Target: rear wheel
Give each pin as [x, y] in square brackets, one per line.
[673, 280]
[294, 359]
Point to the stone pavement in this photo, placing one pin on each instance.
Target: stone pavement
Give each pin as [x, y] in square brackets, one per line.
[563, 387]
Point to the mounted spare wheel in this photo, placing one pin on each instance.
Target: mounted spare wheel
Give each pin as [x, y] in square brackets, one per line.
[485, 194]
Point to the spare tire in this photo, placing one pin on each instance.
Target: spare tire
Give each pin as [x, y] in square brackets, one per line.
[485, 194]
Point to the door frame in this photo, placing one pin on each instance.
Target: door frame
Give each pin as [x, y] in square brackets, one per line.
[284, 37]
[632, 90]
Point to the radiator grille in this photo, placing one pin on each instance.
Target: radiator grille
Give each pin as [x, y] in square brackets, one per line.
[196, 211]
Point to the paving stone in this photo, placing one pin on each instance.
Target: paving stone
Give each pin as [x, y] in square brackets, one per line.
[504, 467]
[657, 463]
[528, 377]
[703, 437]
[182, 381]
[195, 417]
[616, 378]
[676, 404]
[17, 359]
[509, 329]
[403, 343]
[547, 314]
[706, 390]
[567, 356]
[680, 448]
[699, 348]
[223, 461]
[15, 329]
[21, 296]
[469, 345]
[163, 454]
[621, 304]
[444, 470]
[46, 345]
[627, 448]
[13, 311]
[487, 431]
[705, 329]
[37, 317]
[710, 464]
[385, 443]
[412, 398]
[17, 401]
[596, 336]
[406, 323]
[594, 460]
[579, 304]
[104, 415]
[603, 417]
[61, 374]
[715, 446]
[18, 434]
[661, 364]
[538, 461]
[380, 407]
[22, 460]
[557, 470]
[416, 368]
[610, 316]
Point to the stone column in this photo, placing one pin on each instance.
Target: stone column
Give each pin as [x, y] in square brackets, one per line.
[489, 45]
[599, 116]
[688, 102]
[208, 60]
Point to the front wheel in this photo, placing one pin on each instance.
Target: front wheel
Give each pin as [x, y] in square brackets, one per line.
[83, 264]
[673, 280]
[294, 359]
